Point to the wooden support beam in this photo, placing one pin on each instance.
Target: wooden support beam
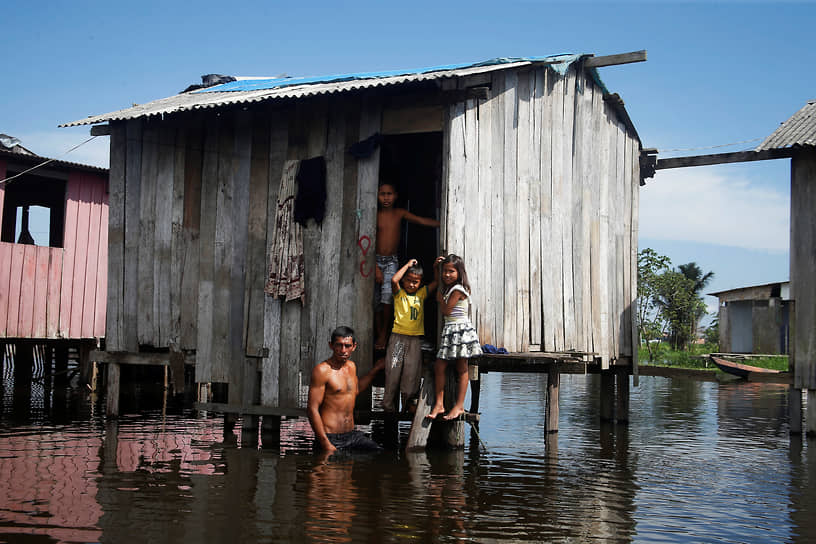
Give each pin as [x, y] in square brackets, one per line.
[795, 410]
[607, 395]
[112, 401]
[622, 397]
[100, 130]
[551, 410]
[723, 158]
[612, 60]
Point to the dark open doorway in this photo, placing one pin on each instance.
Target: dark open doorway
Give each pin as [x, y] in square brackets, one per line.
[413, 162]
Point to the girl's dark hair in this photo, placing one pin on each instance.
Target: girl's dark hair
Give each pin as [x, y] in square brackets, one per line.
[459, 265]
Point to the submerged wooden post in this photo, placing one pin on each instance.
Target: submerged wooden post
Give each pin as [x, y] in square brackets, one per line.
[810, 417]
[622, 408]
[607, 395]
[270, 431]
[553, 384]
[449, 433]
[421, 426]
[112, 401]
[795, 410]
[475, 388]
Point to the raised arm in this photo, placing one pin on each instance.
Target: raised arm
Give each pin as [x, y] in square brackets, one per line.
[317, 390]
[425, 221]
[397, 277]
[365, 381]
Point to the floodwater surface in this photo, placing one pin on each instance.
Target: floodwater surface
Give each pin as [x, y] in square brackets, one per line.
[699, 462]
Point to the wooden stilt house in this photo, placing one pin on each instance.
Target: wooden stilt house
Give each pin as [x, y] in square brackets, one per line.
[530, 164]
[53, 287]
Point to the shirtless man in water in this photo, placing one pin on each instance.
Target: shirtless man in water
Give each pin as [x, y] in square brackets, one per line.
[332, 392]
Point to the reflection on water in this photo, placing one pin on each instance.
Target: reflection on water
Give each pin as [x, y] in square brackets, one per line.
[699, 462]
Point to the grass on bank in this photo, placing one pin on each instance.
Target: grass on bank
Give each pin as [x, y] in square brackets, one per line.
[697, 358]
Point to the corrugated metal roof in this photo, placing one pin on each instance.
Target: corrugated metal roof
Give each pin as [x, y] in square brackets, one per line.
[34, 160]
[798, 131]
[261, 89]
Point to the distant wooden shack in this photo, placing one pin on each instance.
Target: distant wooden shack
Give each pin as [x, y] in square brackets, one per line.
[755, 319]
[55, 290]
[530, 164]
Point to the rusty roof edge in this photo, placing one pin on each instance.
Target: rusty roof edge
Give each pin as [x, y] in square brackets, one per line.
[191, 101]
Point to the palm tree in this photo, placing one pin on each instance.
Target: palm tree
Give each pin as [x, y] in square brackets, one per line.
[695, 274]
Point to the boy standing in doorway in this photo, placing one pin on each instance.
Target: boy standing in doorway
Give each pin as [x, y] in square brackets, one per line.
[389, 226]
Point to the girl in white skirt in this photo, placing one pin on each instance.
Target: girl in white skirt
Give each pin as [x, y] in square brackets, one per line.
[459, 341]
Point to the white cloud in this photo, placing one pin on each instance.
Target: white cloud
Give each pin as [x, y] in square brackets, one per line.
[704, 205]
[55, 145]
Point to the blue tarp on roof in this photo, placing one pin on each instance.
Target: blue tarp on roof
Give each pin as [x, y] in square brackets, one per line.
[560, 63]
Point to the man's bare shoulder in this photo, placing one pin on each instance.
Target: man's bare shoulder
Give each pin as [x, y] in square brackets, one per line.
[321, 370]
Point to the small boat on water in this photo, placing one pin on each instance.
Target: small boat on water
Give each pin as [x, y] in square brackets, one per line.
[739, 369]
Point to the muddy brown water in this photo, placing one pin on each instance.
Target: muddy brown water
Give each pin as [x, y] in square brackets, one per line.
[699, 462]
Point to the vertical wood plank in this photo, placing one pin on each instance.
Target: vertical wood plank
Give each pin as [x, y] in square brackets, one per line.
[314, 253]
[548, 285]
[15, 289]
[206, 273]
[633, 255]
[535, 207]
[628, 280]
[92, 262]
[473, 244]
[72, 195]
[497, 104]
[40, 294]
[116, 239]
[351, 248]
[525, 156]
[368, 171]
[81, 255]
[256, 235]
[803, 283]
[99, 312]
[177, 239]
[190, 236]
[243, 370]
[224, 238]
[163, 233]
[54, 285]
[482, 227]
[511, 242]
[271, 384]
[331, 229]
[5, 281]
[559, 135]
[600, 268]
[454, 240]
[146, 323]
[25, 323]
[132, 198]
[579, 228]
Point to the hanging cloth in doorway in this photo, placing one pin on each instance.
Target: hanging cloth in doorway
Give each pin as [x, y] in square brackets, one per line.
[286, 266]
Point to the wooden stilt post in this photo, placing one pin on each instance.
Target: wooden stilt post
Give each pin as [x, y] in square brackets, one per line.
[112, 401]
[453, 431]
[475, 388]
[553, 384]
[421, 426]
[795, 410]
[270, 432]
[622, 408]
[810, 417]
[607, 395]
[94, 377]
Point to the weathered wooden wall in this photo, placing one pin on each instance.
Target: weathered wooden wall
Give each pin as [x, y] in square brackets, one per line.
[541, 201]
[191, 224]
[802, 265]
[48, 292]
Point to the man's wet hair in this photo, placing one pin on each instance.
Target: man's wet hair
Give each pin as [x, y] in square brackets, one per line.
[342, 332]
[416, 269]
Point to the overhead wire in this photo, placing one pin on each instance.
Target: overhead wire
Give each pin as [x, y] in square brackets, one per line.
[6, 180]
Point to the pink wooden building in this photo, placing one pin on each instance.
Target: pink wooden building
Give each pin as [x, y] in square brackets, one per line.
[53, 287]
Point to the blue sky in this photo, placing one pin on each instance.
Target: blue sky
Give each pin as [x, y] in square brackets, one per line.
[718, 73]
